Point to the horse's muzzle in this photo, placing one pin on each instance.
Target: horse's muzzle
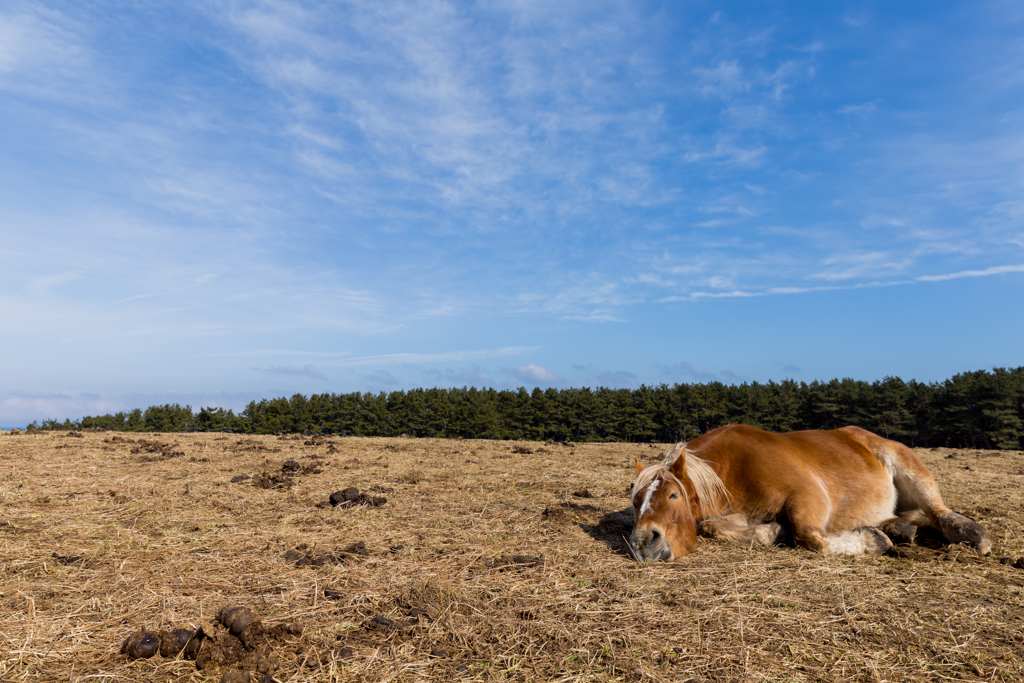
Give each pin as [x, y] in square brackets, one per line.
[648, 546]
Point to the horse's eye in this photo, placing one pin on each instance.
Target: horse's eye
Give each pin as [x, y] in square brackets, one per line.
[673, 496]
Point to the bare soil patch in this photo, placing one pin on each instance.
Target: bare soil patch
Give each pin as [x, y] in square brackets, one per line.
[496, 561]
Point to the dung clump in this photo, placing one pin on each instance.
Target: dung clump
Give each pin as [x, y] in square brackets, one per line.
[177, 640]
[242, 622]
[272, 480]
[140, 645]
[506, 562]
[236, 640]
[144, 644]
[154, 451]
[284, 478]
[382, 623]
[351, 497]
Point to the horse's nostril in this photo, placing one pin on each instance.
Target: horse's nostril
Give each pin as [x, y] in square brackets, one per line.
[655, 535]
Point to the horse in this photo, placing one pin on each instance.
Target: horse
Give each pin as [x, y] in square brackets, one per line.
[844, 491]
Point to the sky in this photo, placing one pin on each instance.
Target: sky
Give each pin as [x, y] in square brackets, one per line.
[209, 203]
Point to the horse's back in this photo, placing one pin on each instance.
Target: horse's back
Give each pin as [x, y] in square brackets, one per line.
[752, 449]
[765, 471]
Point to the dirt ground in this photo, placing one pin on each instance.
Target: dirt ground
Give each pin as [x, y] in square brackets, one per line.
[462, 560]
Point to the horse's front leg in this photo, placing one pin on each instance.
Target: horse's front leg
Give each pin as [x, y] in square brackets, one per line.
[736, 527]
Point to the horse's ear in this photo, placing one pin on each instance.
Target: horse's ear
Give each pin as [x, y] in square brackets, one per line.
[639, 467]
[678, 467]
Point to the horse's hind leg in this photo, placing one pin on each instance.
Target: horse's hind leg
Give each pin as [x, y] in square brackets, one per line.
[918, 491]
[809, 517]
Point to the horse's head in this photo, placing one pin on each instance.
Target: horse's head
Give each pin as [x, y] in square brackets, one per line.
[664, 510]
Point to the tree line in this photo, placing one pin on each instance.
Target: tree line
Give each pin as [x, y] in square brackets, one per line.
[982, 409]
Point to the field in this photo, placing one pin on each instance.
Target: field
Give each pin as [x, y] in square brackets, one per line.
[489, 560]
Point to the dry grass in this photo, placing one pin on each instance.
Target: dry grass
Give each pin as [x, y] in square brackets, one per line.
[97, 541]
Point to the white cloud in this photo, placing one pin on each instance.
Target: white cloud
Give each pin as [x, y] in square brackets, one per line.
[533, 374]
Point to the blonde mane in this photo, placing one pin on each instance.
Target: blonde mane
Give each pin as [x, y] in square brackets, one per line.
[711, 493]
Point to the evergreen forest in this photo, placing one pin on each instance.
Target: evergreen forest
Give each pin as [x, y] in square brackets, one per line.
[982, 409]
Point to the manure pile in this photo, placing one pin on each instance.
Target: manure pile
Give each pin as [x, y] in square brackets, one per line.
[212, 557]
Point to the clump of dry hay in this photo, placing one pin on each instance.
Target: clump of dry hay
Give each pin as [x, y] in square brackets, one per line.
[483, 565]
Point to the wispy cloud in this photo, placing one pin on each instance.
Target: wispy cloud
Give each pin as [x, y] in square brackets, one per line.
[474, 376]
[863, 265]
[611, 379]
[382, 377]
[859, 109]
[994, 270]
[442, 357]
[308, 370]
[41, 286]
[772, 291]
[856, 20]
[727, 150]
[686, 372]
[723, 81]
[35, 41]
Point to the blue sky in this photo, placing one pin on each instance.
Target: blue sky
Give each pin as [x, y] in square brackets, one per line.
[210, 203]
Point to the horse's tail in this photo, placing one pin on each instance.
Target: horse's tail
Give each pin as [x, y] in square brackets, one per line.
[918, 500]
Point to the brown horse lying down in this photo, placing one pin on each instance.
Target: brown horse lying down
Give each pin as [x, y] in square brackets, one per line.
[844, 491]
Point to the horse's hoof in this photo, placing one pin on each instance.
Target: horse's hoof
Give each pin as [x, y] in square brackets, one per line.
[767, 534]
[898, 530]
[959, 529]
[875, 542]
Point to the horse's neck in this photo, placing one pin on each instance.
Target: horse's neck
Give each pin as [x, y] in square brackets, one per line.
[706, 487]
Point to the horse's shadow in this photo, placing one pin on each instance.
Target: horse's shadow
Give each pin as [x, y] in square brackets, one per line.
[613, 529]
